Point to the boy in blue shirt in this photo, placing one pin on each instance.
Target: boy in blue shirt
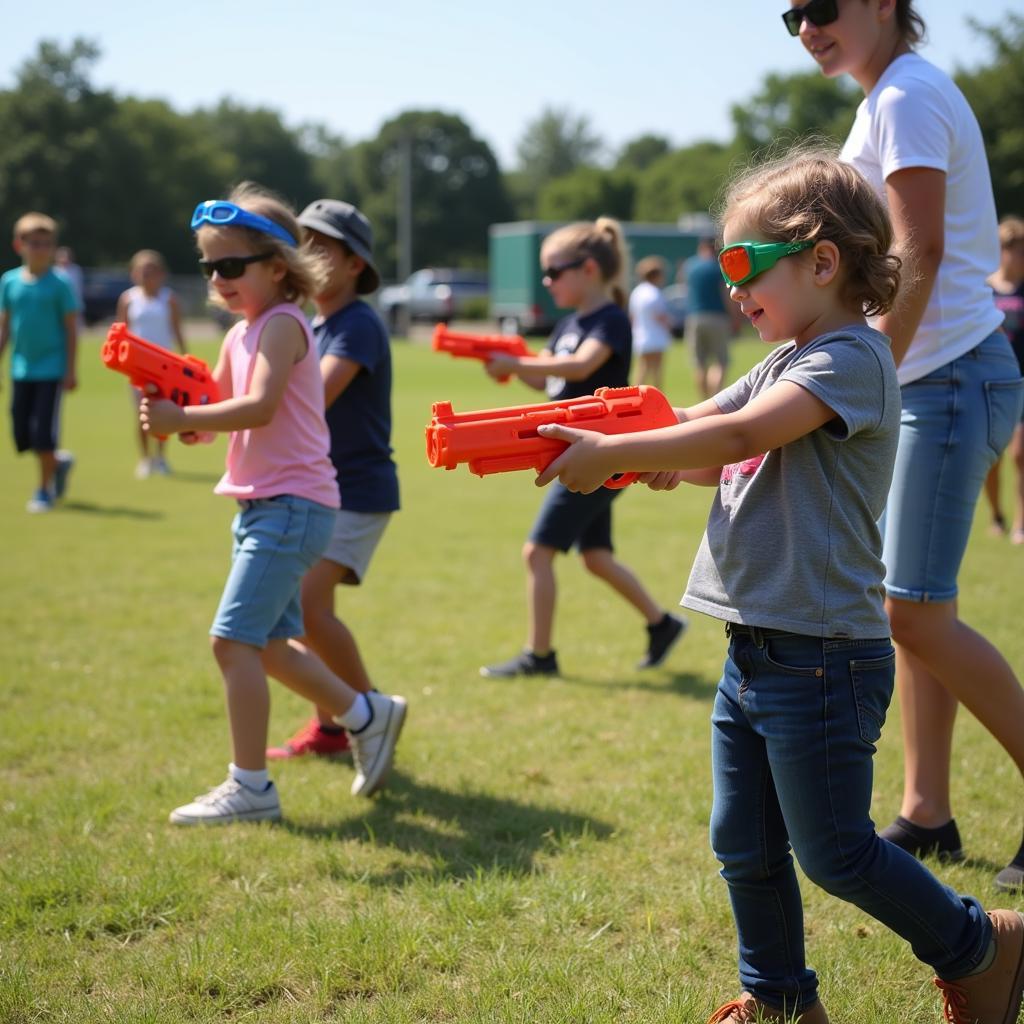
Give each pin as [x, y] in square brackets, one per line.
[39, 315]
[355, 363]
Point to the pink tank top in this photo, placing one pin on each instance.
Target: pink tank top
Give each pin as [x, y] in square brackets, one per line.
[290, 454]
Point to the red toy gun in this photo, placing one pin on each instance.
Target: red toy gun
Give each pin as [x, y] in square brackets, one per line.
[479, 346]
[501, 440]
[185, 380]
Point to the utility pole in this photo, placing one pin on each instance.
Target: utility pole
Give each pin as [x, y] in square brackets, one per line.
[405, 208]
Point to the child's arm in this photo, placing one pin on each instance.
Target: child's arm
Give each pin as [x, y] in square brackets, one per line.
[337, 373]
[71, 342]
[779, 415]
[5, 330]
[282, 344]
[121, 314]
[533, 370]
[175, 307]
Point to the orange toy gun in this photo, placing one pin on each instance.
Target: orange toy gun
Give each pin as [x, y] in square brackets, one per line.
[502, 440]
[479, 346]
[185, 380]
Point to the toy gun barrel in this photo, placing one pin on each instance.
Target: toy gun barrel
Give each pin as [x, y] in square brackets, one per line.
[478, 346]
[184, 380]
[504, 440]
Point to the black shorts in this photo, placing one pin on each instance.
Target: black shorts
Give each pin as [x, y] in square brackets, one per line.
[35, 414]
[567, 518]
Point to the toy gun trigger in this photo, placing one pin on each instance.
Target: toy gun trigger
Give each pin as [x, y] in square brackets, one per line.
[620, 480]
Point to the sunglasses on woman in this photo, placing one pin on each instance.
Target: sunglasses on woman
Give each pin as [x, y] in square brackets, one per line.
[554, 273]
[817, 12]
[231, 267]
[743, 261]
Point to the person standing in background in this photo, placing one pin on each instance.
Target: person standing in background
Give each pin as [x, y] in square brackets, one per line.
[709, 324]
[649, 317]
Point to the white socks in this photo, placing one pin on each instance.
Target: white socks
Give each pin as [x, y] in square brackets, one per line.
[256, 779]
[358, 716]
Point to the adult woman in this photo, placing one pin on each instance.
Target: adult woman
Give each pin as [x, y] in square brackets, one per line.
[917, 141]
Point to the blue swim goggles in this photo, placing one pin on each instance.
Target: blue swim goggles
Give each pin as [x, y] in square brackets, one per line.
[220, 213]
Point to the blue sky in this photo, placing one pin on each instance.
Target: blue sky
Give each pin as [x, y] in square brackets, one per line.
[673, 67]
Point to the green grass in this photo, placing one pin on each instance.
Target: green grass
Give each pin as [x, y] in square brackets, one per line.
[541, 854]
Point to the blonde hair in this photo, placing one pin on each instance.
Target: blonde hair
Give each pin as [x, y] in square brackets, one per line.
[305, 270]
[649, 268]
[810, 195]
[147, 256]
[1011, 231]
[29, 223]
[602, 241]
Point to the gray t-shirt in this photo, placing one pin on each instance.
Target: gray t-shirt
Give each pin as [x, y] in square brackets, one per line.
[792, 540]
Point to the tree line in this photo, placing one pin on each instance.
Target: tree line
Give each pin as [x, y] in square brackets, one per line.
[122, 173]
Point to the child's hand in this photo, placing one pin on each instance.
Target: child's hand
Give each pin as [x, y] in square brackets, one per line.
[663, 480]
[70, 381]
[584, 465]
[501, 365]
[160, 416]
[197, 437]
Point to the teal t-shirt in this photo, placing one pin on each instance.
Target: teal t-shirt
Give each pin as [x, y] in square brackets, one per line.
[36, 308]
[703, 286]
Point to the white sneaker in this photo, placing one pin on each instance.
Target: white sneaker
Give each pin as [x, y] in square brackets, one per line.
[230, 801]
[373, 747]
[143, 469]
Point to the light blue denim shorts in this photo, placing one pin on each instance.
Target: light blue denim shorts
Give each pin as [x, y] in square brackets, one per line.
[955, 423]
[276, 540]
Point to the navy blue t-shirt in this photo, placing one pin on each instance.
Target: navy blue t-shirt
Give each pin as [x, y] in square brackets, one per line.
[360, 417]
[609, 324]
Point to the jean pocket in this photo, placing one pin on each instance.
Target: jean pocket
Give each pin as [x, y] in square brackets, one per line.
[795, 655]
[872, 682]
[1003, 403]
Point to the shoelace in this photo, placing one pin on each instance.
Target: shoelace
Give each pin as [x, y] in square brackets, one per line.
[954, 1002]
[227, 788]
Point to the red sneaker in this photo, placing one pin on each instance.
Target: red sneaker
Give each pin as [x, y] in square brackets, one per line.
[311, 739]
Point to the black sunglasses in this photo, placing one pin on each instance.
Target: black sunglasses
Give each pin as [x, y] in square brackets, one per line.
[231, 267]
[554, 273]
[817, 12]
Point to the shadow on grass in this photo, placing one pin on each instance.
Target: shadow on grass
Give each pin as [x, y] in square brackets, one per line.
[114, 511]
[682, 684]
[457, 832]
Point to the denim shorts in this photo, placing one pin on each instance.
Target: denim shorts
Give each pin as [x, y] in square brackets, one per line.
[569, 518]
[955, 423]
[276, 540]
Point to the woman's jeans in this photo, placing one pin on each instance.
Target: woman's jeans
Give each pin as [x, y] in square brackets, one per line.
[795, 722]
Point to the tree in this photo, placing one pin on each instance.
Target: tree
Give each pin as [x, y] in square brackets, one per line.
[555, 144]
[457, 189]
[587, 193]
[793, 107]
[996, 93]
[686, 181]
[641, 152]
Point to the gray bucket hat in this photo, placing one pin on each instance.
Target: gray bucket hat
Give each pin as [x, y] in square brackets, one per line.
[343, 221]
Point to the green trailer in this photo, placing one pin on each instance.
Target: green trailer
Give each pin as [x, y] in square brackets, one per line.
[520, 302]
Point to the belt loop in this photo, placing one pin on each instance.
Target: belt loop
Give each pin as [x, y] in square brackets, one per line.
[757, 635]
[728, 630]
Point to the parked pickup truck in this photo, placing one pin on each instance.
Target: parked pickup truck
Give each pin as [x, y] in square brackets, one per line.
[434, 294]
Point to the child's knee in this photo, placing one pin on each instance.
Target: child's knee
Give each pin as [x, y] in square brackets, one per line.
[229, 652]
[597, 561]
[537, 555]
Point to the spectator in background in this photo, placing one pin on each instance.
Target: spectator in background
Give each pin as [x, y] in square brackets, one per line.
[65, 265]
[709, 324]
[1008, 285]
[649, 316]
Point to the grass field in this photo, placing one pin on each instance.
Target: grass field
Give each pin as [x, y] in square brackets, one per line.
[541, 853]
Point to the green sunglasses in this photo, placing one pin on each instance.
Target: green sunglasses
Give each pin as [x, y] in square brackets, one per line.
[744, 260]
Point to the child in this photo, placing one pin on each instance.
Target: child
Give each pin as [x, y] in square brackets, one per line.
[279, 472]
[802, 449]
[39, 312]
[355, 363]
[151, 310]
[648, 315]
[1008, 287]
[583, 267]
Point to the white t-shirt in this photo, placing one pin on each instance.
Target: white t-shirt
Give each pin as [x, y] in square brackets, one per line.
[149, 316]
[645, 305]
[916, 117]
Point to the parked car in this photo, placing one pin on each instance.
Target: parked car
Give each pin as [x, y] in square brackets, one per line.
[435, 294]
[100, 291]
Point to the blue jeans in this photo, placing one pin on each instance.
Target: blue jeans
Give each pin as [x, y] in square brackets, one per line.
[276, 540]
[794, 726]
[955, 423]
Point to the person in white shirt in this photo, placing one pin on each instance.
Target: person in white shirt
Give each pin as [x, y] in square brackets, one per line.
[917, 141]
[648, 314]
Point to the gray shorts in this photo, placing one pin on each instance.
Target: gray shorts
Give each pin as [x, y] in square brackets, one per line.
[707, 335]
[355, 538]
